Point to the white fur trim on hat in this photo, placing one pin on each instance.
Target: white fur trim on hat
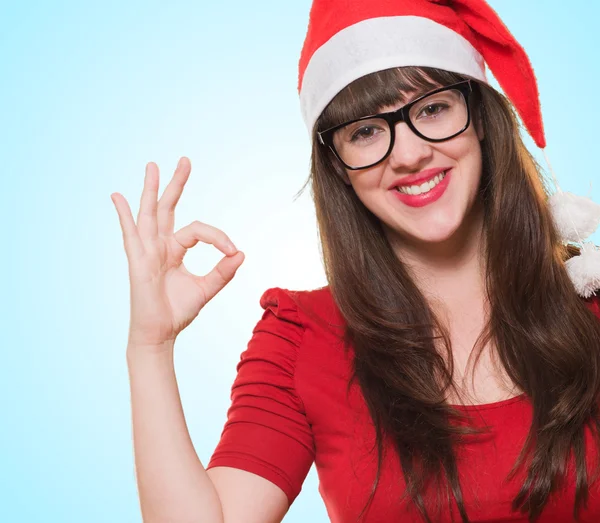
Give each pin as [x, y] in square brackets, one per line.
[584, 270]
[576, 217]
[383, 43]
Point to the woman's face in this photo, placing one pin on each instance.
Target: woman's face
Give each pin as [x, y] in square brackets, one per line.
[438, 214]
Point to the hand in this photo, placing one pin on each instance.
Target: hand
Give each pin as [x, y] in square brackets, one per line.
[165, 296]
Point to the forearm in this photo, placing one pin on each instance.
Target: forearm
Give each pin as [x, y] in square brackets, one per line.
[172, 482]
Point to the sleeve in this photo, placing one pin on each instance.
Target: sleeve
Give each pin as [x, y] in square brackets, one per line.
[267, 432]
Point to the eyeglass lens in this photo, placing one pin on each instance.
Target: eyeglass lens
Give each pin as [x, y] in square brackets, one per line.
[436, 117]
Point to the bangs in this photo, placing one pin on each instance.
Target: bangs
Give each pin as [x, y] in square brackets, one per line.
[369, 94]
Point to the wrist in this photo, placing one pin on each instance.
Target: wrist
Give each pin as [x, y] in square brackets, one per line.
[136, 351]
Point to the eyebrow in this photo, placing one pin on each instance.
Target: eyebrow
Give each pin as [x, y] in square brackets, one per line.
[417, 93]
[410, 97]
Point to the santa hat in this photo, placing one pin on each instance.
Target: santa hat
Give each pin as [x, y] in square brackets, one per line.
[348, 39]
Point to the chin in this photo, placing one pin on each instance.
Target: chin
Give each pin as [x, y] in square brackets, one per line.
[434, 237]
[434, 232]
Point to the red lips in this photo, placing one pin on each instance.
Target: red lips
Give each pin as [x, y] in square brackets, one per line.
[429, 197]
[418, 178]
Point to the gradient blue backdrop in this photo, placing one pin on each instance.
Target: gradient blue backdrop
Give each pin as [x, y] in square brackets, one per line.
[90, 92]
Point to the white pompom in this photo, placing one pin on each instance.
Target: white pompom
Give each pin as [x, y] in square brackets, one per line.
[576, 217]
[584, 270]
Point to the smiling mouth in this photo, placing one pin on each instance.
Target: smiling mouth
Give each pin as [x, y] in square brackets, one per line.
[424, 187]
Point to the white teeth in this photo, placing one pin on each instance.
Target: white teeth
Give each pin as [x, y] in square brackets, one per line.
[423, 188]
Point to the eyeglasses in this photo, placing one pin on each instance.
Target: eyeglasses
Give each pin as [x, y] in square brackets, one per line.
[436, 116]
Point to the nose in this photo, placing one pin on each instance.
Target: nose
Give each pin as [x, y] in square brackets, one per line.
[410, 152]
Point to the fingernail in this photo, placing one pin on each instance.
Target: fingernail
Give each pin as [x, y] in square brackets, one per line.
[231, 248]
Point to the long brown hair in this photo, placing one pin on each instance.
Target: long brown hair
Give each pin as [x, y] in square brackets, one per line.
[546, 338]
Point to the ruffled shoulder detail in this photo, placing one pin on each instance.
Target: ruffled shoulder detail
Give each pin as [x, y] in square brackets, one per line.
[280, 305]
[309, 308]
[281, 302]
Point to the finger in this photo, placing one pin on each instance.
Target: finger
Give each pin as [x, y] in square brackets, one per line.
[221, 275]
[195, 232]
[131, 238]
[146, 221]
[170, 197]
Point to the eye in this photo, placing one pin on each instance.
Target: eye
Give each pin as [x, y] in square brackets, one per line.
[365, 132]
[432, 110]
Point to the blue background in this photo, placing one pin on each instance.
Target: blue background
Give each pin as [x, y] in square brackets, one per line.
[90, 92]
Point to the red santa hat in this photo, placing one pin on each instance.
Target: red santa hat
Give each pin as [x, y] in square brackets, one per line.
[348, 39]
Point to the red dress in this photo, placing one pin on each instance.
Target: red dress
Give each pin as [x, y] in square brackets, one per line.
[290, 409]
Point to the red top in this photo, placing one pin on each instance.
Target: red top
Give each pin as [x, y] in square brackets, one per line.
[290, 409]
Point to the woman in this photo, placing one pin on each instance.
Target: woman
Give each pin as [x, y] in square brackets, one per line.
[450, 370]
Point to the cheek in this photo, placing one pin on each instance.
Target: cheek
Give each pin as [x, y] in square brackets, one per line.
[366, 182]
[467, 156]
[475, 166]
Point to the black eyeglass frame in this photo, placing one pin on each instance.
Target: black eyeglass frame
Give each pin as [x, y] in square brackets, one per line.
[400, 115]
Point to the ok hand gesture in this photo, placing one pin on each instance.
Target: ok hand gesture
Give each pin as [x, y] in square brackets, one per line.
[165, 296]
